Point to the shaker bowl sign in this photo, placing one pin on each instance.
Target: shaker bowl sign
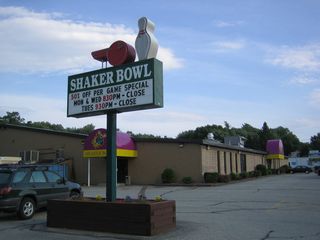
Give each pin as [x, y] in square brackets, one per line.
[129, 87]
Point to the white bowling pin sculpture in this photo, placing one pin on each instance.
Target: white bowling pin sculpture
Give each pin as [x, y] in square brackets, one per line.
[146, 44]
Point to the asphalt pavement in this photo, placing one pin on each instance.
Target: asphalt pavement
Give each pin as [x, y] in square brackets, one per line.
[274, 207]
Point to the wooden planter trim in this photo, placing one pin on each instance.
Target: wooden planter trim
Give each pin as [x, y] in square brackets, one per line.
[139, 218]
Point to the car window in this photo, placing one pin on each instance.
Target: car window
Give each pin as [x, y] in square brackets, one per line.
[4, 177]
[19, 176]
[38, 177]
[52, 177]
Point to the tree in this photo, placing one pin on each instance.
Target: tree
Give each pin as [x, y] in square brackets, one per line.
[13, 118]
[252, 136]
[253, 141]
[186, 134]
[290, 141]
[87, 129]
[226, 125]
[142, 135]
[315, 142]
[46, 125]
[265, 134]
[256, 138]
[304, 149]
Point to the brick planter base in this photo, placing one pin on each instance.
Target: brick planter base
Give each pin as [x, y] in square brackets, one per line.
[139, 218]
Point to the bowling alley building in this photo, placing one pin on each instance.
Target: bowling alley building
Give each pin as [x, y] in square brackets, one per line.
[139, 161]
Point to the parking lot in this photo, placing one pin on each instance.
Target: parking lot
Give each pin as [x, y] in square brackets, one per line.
[273, 207]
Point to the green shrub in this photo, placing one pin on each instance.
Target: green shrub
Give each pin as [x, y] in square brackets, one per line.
[262, 168]
[224, 178]
[274, 171]
[211, 177]
[168, 176]
[270, 171]
[257, 173]
[234, 176]
[284, 169]
[244, 175]
[187, 180]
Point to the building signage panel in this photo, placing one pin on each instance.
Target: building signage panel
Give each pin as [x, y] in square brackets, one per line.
[95, 145]
[130, 87]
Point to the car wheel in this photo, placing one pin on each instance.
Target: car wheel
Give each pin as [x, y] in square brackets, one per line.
[74, 194]
[27, 208]
[307, 172]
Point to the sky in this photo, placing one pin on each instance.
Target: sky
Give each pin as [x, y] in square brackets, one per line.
[248, 61]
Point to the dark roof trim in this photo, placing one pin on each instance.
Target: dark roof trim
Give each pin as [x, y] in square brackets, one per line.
[167, 140]
[241, 149]
[205, 142]
[42, 130]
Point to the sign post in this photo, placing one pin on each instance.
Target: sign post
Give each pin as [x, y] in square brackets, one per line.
[111, 171]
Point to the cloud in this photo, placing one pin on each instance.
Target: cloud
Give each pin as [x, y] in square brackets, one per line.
[48, 42]
[304, 58]
[11, 12]
[224, 24]
[305, 127]
[35, 108]
[164, 122]
[308, 122]
[169, 60]
[224, 46]
[304, 79]
[315, 98]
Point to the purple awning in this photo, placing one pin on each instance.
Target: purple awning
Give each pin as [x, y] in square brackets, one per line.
[275, 146]
[95, 144]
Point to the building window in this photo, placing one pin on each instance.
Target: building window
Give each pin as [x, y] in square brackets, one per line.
[218, 160]
[236, 162]
[269, 164]
[225, 162]
[243, 163]
[231, 162]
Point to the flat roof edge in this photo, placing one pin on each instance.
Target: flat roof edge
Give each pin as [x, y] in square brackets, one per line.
[199, 142]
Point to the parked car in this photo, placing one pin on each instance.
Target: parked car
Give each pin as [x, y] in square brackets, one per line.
[301, 169]
[26, 188]
[317, 170]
